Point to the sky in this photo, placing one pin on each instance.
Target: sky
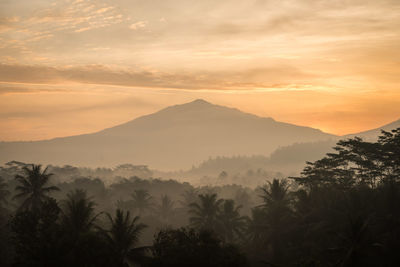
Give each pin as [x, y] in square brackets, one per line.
[70, 67]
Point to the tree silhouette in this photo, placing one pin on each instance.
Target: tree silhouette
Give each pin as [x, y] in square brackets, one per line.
[78, 215]
[141, 201]
[232, 224]
[355, 243]
[256, 229]
[4, 193]
[187, 247]
[189, 196]
[122, 237]
[342, 211]
[278, 214]
[388, 157]
[275, 193]
[82, 244]
[356, 162]
[32, 186]
[205, 213]
[166, 208]
[36, 235]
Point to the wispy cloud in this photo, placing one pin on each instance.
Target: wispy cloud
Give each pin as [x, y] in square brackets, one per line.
[138, 25]
[252, 79]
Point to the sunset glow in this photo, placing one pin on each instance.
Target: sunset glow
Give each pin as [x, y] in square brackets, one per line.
[73, 67]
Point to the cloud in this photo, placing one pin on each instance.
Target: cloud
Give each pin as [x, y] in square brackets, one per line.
[6, 89]
[138, 25]
[13, 90]
[104, 9]
[99, 74]
[7, 23]
[62, 17]
[56, 110]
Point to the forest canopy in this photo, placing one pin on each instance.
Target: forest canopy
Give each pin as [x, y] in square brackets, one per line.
[341, 211]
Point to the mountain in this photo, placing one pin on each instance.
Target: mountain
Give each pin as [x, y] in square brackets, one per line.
[373, 134]
[292, 158]
[173, 138]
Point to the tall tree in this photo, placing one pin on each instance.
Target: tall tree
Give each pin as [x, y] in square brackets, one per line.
[278, 214]
[32, 188]
[82, 244]
[232, 224]
[142, 201]
[205, 213]
[36, 236]
[166, 208]
[256, 230]
[123, 236]
[78, 214]
[275, 194]
[188, 197]
[390, 149]
[4, 193]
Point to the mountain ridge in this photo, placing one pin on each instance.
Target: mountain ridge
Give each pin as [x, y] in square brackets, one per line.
[372, 134]
[200, 104]
[175, 137]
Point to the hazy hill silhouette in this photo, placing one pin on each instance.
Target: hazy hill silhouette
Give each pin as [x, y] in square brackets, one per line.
[373, 134]
[173, 138]
[293, 157]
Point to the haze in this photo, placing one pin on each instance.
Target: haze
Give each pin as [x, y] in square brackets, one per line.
[214, 133]
[72, 67]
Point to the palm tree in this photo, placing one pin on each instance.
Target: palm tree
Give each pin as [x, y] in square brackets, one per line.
[166, 209]
[205, 213]
[4, 193]
[141, 201]
[256, 227]
[189, 196]
[123, 205]
[277, 213]
[275, 193]
[232, 223]
[356, 242]
[32, 186]
[78, 213]
[122, 237]
[79, 238]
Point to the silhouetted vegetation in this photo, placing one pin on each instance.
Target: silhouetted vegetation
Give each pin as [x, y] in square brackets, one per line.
[187, 247]
[341, 211]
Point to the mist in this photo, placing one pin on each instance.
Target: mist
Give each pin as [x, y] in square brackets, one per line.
[247, 217]
[175, 133]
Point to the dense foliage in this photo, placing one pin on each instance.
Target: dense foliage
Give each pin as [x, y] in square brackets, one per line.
[341, 211]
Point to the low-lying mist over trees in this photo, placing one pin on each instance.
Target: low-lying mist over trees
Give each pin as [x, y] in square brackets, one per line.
[342, 210]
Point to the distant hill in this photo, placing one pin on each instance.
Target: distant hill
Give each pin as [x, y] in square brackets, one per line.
[174, 138]
[292, 158]
[288, 160]
[374, 133]
[233, 165]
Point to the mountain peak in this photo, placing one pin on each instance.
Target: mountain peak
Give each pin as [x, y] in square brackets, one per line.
[199, 101]
[198, 104]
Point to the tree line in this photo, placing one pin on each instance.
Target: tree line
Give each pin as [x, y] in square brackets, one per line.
[341, 211]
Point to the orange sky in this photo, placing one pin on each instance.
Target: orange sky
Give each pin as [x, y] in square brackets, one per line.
[71, 67]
